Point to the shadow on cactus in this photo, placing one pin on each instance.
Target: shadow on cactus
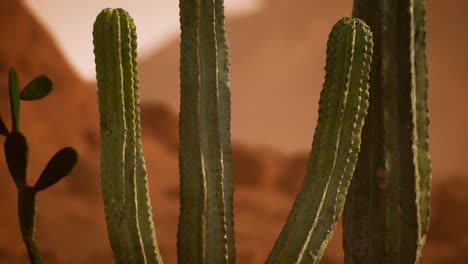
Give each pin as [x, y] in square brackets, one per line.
[16, 154]
[206, 225]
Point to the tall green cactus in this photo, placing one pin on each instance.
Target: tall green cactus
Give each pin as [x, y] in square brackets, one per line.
[342, 109]
[123, 172]
[206, 226]
[387, 212]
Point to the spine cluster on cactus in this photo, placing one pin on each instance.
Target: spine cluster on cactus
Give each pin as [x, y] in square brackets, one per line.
[387, 212]
[123, 172]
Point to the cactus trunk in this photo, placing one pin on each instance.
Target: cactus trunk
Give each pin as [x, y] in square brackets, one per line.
[206, 233]
[123, 173]
[387, 212]
[342, 109]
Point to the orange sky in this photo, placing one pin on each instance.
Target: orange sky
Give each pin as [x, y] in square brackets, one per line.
[156, 21]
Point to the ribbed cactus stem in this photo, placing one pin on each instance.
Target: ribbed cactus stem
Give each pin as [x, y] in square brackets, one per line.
[342, 109]
[123, 172]
[387, 213]
[205, 232]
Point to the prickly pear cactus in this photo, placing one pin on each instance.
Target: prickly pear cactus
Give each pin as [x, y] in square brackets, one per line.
[387, 210]
[123, 172]
[17, 157]
[343, 107]
[206, 226]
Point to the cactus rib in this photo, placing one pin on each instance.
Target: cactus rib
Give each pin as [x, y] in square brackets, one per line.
[342, 108]
[205, 153]
[387, 215]
[123, 173]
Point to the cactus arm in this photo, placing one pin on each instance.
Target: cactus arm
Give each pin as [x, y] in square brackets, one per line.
[192, 184]
[422, 115]
[128, 39]
[145, 215]
[342, 108]
[225, 124]
[14, 92]
[121, 152]
[205, 165]
[365, 201]
[387, 213]
[113, 130]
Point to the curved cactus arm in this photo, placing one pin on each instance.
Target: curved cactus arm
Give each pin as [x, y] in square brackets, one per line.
[342, 109]
[224, 97]
[386, 217]
[422, 117]
[125, 193]
[145, 215]
[205, 232]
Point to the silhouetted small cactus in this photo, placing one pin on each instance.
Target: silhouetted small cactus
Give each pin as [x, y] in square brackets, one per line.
[16, 155]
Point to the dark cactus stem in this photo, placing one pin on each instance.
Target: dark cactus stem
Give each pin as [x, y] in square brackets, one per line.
[387, 210]
[27, 218]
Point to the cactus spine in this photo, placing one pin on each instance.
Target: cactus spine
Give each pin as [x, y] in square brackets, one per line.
[123, 172]
[387, 213]
[206, 227]
[342, 109]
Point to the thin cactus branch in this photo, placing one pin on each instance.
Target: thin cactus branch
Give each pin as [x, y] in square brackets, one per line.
[14, 92]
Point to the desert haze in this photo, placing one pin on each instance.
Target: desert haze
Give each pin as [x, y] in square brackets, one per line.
[278, 56]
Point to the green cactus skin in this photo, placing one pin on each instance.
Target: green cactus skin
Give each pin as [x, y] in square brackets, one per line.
[123, 172]
[14, 92]
[387, 212]
[342, 109]
[206, 226]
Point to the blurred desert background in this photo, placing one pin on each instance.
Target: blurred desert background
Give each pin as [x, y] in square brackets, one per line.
[277, 54]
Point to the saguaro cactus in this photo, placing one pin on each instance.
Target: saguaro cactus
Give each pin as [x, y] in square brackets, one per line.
[387, 211]
[123, 172]
[206, 226]
[342, 109]
[206, 229]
